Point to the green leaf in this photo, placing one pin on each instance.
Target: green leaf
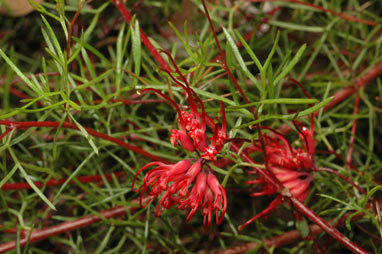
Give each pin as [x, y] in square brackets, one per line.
[41, 8]
[85, 134]
[240, 60]
[273, 50]
[249, 51]
[75, 172]
[288, 116]
[19, 73]
[302, 227]
[54, 39]
[349, 218]
[136, 48]
[8, 176]
[291, 64]
[276, 101]
[288, 25]
[184, 42]
[369, 194]
[78, 48]
[74, 105]
[35, 188]
[94, 81]
[29, 181]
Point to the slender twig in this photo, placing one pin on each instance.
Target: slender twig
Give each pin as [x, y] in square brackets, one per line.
[364, 80]
[353, 131]
[347, 179]
[41, 234]
[288, 237]
[332, 231]
[222, 56]
[70, 30]
[19, 125]
[126, 14]
[268, 176]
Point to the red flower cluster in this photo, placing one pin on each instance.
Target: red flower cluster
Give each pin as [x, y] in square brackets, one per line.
[173, 181]
[292, 167]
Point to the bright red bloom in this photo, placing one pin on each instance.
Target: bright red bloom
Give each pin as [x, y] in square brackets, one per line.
[173, 182]
[208, 196]
[220, 202]
[292, 167]
[192, 129]
[192, 125]
[217, 140]
[183, 138]
[158, 179]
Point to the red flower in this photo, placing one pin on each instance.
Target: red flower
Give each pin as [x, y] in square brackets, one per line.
[208, 196]
[157, 180]
[174, 181]
[292, 167]
[192, 125]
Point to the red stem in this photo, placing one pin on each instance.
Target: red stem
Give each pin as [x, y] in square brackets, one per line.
[5, 133]
[188, 89]
[18, 125]
[53, 182]
[70, 30]
[222, 57]
[353, 130]
[40, 234]
[286, 238]
[126, 14]
[345, 178]
[349, 90]
[326, 226]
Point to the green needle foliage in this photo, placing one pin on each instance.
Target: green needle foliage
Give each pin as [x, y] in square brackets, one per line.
[84, 75]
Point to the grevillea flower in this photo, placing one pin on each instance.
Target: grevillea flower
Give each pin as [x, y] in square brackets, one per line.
[208, 196]
[192, 129]
[192, 133]
[171, 183]
[292, 167]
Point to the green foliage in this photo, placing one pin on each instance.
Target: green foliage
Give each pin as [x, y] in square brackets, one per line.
[97, 87]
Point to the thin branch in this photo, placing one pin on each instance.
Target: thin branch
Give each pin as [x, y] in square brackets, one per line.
[347, 179]
[332, 231]
[126, 14]
[19, 125]
[353, 131]
[288, 237]
[41, 234]
[70, 30]
[349, 90]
